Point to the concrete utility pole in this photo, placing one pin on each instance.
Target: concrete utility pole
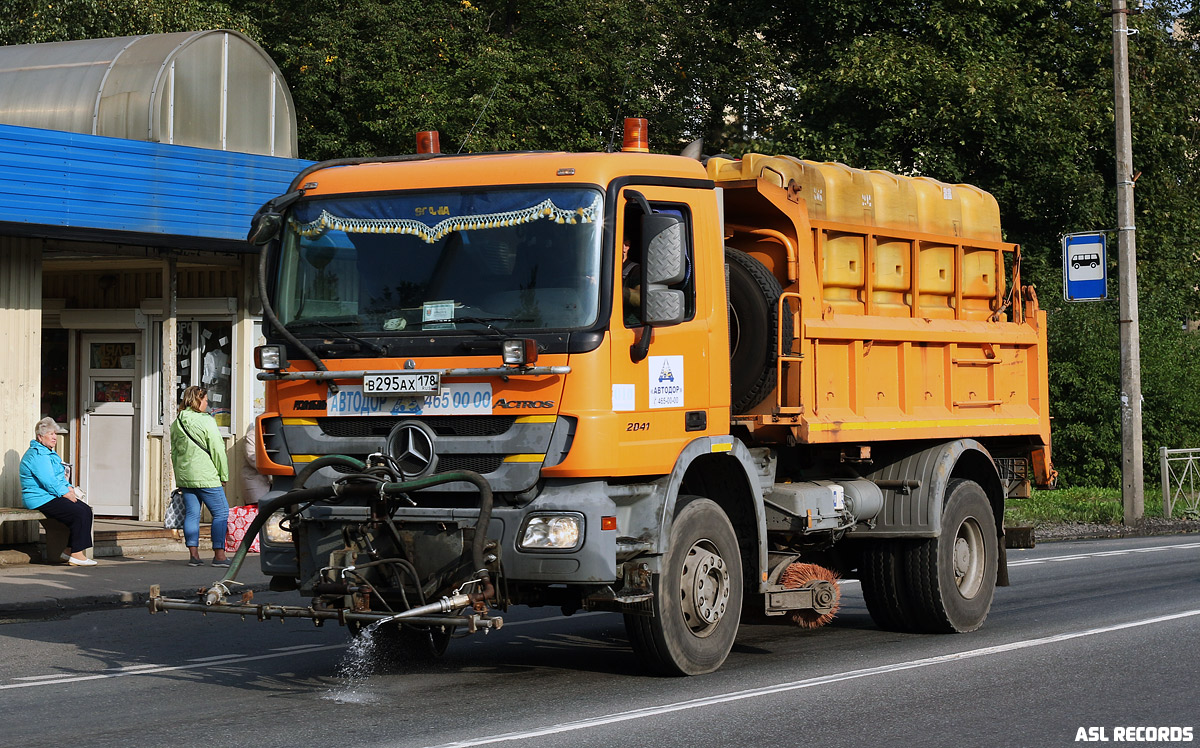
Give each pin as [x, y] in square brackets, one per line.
[1132, 497]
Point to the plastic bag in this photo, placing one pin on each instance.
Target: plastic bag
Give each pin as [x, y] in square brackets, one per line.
[240, 518]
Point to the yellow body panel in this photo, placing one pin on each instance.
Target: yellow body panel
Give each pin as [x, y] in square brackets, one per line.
[903, 322]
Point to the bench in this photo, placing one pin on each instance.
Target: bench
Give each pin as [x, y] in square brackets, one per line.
[57, 535]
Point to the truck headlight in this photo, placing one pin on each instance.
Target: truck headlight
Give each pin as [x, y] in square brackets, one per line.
[273, 529]
[560, 532]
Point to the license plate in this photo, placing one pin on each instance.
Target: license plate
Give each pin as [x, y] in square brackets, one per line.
[403, 383]
[457, 399]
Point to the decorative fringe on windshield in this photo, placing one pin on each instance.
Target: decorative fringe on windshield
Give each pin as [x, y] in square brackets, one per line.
[544, 209]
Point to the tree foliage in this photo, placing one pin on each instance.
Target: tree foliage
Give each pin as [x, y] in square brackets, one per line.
[1014, 96]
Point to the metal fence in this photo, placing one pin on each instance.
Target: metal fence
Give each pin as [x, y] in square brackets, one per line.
[1180, 481]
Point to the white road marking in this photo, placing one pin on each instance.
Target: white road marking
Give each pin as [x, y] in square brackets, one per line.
[198, 662]
[230, 656]
[1100, 554]
[163, 669]
[679, 706]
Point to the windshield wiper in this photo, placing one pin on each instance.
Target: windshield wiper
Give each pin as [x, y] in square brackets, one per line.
[377, 349]
[485, 321]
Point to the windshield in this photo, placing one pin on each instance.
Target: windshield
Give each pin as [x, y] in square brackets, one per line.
[525, 259]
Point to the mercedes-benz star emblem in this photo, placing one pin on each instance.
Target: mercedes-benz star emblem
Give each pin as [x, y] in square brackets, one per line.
[411, 445]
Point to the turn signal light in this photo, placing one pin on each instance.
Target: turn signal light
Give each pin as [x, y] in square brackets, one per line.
[427, 142]
[637, 135]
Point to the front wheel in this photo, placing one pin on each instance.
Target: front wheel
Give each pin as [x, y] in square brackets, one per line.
[952, 578]
[698, 595]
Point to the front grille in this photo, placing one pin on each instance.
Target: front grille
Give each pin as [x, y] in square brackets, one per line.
[446, 463]
[478, 426]
[479, 463]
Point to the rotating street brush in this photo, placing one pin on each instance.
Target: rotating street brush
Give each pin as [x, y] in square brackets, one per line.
[825, 596]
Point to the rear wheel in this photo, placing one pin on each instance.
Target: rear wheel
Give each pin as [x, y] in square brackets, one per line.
[881, 571]
[952, 578]
[698, 595]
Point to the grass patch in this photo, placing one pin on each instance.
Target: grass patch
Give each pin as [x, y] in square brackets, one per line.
[1100, 506]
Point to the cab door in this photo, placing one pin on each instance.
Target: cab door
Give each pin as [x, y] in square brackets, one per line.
[680, 390]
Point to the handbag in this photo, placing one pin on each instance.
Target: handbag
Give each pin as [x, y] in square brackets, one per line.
[173, 517]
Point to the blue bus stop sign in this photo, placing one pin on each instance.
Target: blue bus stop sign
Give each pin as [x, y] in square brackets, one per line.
[1085, 267]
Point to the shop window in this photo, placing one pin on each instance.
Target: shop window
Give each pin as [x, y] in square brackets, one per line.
[203, 357]
[55, 345]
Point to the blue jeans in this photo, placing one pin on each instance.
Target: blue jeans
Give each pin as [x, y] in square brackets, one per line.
[214, 499]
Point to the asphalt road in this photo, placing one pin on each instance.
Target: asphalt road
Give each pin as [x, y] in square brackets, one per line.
[1092, 634]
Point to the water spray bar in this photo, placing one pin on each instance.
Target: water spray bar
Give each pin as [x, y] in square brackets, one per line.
[212, 599]
[471, 622]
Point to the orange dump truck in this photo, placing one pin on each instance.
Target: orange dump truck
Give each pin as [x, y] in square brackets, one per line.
[681, 390]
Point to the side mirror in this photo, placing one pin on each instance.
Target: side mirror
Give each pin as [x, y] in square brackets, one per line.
[268, 220]
[665, 265]
[664, 306]
[264, 227]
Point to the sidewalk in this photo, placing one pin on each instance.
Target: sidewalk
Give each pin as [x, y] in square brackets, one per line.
[112, 537]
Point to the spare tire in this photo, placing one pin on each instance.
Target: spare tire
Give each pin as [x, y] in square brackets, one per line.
[753, 329]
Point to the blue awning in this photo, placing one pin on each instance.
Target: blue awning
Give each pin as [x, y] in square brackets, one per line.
[84, 187]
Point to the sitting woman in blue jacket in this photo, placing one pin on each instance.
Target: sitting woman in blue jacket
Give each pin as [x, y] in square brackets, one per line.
[44, 487]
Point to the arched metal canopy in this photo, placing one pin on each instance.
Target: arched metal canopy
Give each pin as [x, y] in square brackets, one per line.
[210, 89]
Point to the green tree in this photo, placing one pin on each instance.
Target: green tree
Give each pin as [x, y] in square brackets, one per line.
[1017, 98]
[39, 21]
[489, 75]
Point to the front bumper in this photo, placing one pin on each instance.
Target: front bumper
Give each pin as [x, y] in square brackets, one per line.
[592, 562]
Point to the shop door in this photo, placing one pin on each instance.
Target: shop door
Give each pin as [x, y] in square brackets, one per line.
[109, 460]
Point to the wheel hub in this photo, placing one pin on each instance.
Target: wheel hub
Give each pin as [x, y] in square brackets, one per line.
[962, 557]
[968, 560]
[705, 588]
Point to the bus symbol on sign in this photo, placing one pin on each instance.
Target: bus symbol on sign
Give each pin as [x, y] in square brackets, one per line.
[1085, 271]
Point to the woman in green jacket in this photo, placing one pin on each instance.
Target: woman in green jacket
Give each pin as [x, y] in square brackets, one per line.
[198, 455]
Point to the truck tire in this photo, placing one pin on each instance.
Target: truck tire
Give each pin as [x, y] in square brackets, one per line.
[952, 578]
[881, 572]
[753, 329]
[697, 598]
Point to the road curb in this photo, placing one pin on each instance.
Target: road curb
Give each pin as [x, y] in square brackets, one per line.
[1054, 533]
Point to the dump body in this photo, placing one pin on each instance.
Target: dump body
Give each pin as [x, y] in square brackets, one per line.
[903, 325]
